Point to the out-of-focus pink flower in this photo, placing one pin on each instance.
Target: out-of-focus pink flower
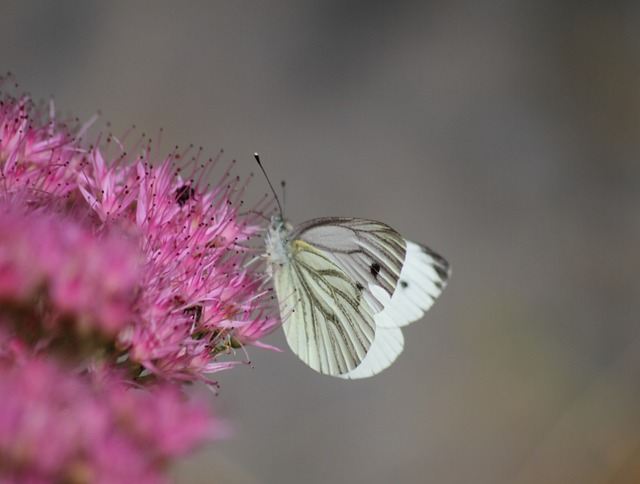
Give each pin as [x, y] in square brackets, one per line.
[56, 272]
[56, 426]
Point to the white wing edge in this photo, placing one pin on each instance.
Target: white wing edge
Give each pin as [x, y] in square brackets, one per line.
[423, 277]
[387, 345]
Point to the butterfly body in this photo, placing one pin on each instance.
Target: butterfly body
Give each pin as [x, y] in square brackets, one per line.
[345, 286]
[277, 241]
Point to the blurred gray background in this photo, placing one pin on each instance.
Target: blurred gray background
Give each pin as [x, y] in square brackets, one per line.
[503, 134]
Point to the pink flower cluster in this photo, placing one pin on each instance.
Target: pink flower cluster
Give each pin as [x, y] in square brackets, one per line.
[120, 279]
[59, 427]
[90, 282]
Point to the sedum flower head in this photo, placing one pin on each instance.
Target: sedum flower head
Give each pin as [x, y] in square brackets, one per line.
[124, 247]
[122, 275]
[57, 426]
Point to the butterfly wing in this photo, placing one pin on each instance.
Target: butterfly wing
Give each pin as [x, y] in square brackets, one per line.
[346, 288]
[424, 276]
[328, 322]
[369, 252]
[386, 347]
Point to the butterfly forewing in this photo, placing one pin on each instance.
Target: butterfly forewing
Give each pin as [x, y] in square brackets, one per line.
[423, 278]
[370, 252]
[424, 275]
[327, 320]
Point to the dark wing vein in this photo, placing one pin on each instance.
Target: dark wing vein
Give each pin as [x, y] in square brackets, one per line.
[369, 252]
[330, 326]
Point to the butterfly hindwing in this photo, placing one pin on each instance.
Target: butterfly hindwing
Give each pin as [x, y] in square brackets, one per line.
[328, 322]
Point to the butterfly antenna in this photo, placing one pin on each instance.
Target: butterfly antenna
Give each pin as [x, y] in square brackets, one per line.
[257, 157]
[284, 193]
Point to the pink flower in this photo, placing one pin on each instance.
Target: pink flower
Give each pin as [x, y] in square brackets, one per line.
[61, 284]
[124, 246]
[120, 278]
[56, 426]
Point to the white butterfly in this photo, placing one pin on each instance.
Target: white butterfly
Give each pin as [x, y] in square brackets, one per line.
[345, 287]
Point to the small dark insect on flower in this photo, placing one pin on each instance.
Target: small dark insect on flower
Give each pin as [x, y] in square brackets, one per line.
[184, 193]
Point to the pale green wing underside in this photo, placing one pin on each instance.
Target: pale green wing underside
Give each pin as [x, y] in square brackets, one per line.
[370, 252]
[328, 321]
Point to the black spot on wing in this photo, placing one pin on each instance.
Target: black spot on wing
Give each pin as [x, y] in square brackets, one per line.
[375, 270]
[359, 286]
[404, 284]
